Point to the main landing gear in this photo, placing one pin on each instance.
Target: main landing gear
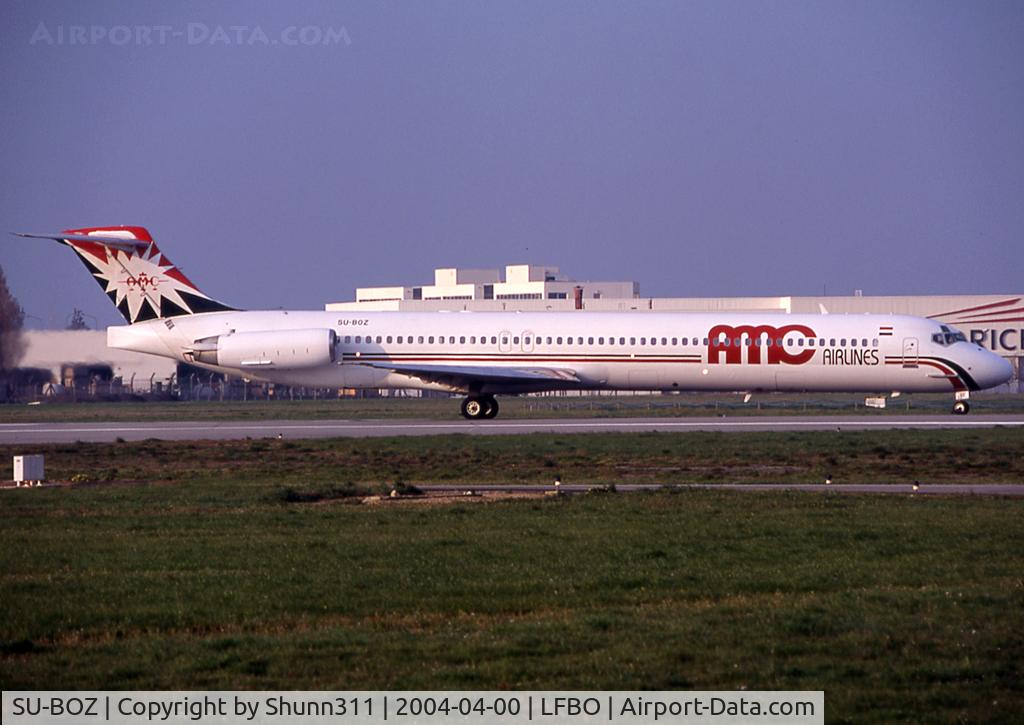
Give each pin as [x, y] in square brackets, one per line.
[479, 407]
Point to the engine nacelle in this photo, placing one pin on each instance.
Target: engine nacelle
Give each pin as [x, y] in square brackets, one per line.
[277, 349]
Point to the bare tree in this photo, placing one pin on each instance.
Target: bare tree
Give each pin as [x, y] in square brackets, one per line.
[12, 342]
[77, 321]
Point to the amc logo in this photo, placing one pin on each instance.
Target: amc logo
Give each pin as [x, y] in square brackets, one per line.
[728, 340]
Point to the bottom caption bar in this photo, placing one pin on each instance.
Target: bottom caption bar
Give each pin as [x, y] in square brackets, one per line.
[430, 707]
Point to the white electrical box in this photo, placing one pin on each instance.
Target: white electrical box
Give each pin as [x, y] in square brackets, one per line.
[29, 469]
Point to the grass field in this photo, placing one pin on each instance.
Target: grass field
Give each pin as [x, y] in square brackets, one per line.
[688, 404]
[197, 566]
[876, 456]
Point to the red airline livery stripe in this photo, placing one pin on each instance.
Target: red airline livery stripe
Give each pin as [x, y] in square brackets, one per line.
[524, 358]
[950, 375]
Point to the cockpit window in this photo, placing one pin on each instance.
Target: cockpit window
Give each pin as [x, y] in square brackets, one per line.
[948, 336]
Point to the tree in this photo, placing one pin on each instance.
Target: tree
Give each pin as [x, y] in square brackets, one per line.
[77, 321]
[12, 342]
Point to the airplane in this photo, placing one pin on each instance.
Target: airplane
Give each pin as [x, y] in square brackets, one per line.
[486, 354]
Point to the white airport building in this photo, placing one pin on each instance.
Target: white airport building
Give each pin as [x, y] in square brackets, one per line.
[520, 283]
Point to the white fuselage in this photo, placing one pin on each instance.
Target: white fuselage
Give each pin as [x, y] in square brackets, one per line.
[623, 351]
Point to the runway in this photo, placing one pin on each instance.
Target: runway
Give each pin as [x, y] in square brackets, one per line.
[37, 433]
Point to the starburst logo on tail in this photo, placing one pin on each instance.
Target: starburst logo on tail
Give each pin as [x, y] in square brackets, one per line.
[140, 281]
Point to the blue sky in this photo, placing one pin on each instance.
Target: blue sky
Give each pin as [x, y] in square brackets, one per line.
[700, 148]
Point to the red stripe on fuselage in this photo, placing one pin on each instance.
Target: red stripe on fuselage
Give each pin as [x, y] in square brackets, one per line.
[513, 358]
[950, 375]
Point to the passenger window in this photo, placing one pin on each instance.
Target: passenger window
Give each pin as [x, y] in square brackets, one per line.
[420, 339]
[515, 340]
[348, 339]
[568, 341]
[600, 340]
[611, 340]
[810, 342]
[874, 343]
[389, 339]
[622, 341]
[696, 343]
[579, 340]
[800, 342]
[832, 342]
[842, 342]
[853, 342]
[643, 340]
[430, 340]
[705, 341]
[590, 341]
[789, 342]
[526, 341]
[558, 341]
[864, 342]
[548, 341]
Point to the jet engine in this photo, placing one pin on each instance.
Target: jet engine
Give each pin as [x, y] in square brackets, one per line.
[277, 349]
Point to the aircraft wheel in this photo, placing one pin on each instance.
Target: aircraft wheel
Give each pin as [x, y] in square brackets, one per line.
[961, 407]
[474, 408]
[492, 407]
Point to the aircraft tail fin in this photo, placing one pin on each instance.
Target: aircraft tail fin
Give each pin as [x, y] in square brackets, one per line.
[141, 282]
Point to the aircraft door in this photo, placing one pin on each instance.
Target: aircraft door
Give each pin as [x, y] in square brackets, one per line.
[504, 341]
[910, 352]
[528, 341]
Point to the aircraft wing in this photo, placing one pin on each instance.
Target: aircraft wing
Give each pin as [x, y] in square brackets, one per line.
[486, 379]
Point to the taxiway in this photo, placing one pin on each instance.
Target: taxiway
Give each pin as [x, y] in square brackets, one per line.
[37, 433]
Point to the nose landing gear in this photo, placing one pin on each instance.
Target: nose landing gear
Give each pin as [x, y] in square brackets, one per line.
[961, 406]
[479, 407]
